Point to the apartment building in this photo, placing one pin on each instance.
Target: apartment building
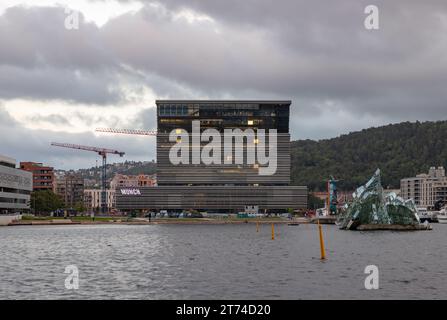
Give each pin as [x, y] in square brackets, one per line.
[43, 176]
[425, 189]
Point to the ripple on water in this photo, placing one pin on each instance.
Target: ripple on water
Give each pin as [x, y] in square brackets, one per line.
[222, 261]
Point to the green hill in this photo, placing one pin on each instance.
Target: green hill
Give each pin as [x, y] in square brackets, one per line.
[399, 150]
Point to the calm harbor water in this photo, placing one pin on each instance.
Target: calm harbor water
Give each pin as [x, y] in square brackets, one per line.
[219, 262]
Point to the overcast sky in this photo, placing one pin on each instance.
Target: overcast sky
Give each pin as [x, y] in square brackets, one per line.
[58, 84]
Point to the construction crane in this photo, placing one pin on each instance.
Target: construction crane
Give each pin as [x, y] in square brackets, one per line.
[128, 131]
[103, 153]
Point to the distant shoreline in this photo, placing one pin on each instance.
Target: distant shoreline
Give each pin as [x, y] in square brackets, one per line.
[199, 221]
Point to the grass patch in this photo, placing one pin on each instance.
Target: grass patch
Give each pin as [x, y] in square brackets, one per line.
[86, 218]
[78, 218]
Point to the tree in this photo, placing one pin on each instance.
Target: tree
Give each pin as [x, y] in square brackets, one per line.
[314, 202]
[80, 207]
[45, 201]
[399, 150]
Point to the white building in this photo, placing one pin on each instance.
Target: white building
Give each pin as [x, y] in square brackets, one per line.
[15, 187]
[425, 189]
[93, 197]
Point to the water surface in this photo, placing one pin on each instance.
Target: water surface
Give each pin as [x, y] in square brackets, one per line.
[220, 262]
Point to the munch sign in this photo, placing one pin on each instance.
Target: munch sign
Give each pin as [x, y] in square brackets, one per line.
[131, 192]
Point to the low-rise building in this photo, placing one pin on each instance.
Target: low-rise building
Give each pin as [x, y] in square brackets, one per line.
[425, 189]
[43, 176]
[93, 197]
[15, 187]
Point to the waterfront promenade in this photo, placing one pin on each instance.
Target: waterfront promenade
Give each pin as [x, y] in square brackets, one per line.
[156, 221]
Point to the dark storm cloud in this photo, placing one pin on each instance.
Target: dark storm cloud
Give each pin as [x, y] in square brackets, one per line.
[340, 76]
[36, 36]
[40, 59]
[314, 51]
[292, 49]
[49, 83]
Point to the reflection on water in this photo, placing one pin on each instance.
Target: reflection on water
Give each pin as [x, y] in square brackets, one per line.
[219, 262]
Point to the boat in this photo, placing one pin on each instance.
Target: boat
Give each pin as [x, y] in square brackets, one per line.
[423, 214]
[442, 216]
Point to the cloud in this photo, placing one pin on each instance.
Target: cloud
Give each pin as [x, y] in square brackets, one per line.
[340, 76]
[26, 144]
[49, 83]
[314, 52]
[53, 119]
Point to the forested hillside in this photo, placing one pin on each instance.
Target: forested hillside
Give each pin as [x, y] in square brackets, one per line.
[399, 150]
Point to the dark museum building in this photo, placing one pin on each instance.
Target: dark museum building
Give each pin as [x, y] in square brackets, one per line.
[227, 184]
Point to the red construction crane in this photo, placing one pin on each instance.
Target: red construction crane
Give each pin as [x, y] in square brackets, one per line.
[128, 131]
[103, 153]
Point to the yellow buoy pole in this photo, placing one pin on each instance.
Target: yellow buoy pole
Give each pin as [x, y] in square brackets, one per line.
[257, 226]
[323, 254]
[273, 231]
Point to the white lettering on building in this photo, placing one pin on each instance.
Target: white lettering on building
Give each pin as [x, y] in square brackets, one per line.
[131, 192]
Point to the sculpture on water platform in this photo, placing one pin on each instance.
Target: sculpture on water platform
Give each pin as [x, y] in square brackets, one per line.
[375, 208]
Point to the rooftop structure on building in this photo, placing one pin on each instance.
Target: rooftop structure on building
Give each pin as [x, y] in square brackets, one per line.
[126, 181]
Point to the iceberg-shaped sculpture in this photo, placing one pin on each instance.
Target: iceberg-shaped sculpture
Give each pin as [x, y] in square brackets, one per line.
[372, 206]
